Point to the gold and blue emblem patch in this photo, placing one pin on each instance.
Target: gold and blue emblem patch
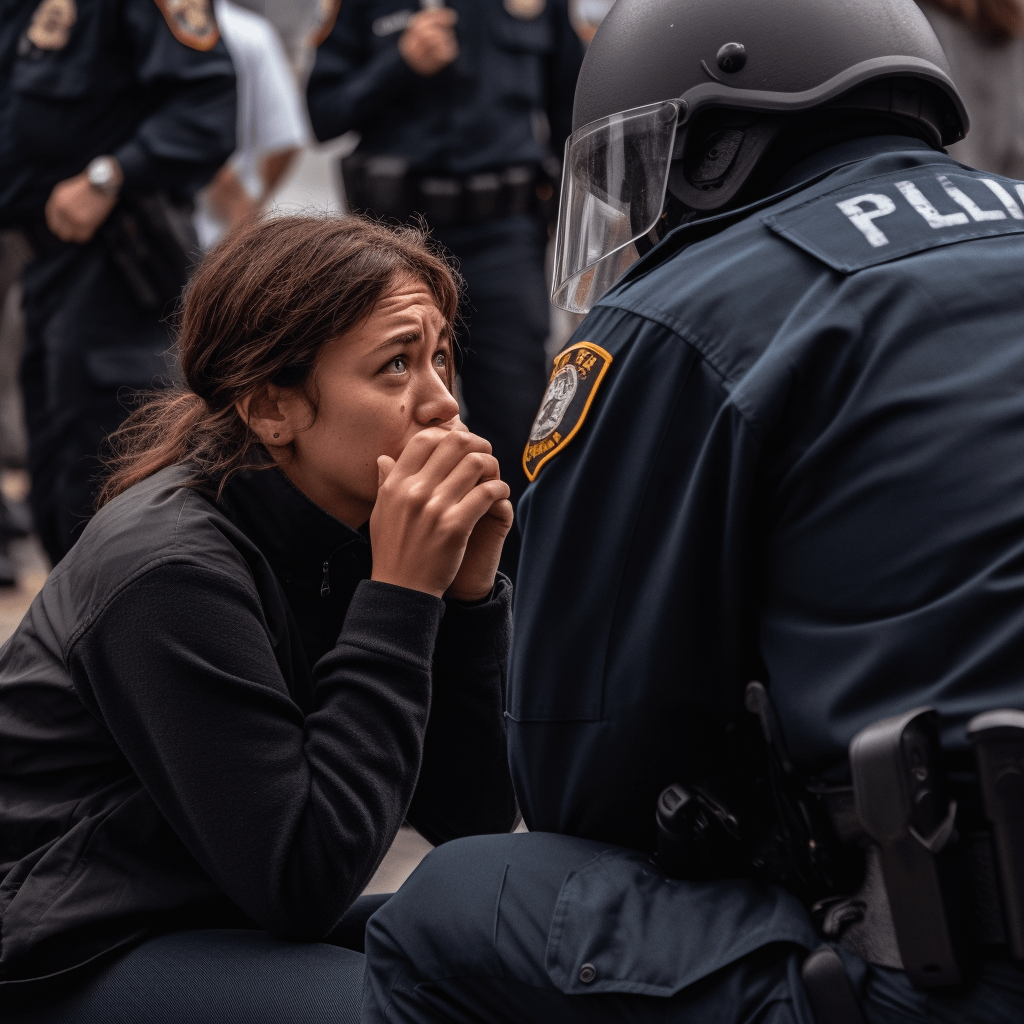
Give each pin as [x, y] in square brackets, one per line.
[577, 372]
[52, 22]
[525, 10]
[191, 21]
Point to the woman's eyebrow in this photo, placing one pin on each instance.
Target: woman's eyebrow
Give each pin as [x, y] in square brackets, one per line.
[406, 338]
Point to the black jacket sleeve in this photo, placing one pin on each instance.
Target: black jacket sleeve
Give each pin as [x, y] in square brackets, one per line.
[348, 85]
[190, 129]
[288, 815]
[465, 787]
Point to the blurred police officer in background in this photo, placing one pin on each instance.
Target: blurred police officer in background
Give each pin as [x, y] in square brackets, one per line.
[784, 446]
[460, 108]
[114, 112]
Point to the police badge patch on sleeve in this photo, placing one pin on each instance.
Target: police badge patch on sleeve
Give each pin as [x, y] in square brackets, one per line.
[525, 9]
[571, 389]
[51, 25]
[191, 21]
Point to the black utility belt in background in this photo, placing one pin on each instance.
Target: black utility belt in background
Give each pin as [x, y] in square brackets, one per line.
[386, 187]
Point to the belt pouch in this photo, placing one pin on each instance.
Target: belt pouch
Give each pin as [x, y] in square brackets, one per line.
[440, 201]
[518, 183]
[483, 198]
[377, 184]
[152, 242]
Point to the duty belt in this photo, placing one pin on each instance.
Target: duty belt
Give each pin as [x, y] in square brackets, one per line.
[935, 864]
[386, 187]
[863, 922]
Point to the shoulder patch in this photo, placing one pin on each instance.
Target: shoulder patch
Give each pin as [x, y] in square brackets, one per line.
[191, 21]
[880, 219]
[574, 380]
[525, 9]
[51, 25]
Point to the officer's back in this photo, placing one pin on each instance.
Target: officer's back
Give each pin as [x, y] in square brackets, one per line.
[854, 414]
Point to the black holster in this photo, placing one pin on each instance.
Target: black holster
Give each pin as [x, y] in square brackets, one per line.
[152, 242]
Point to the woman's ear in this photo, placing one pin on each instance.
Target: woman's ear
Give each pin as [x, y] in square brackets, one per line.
[269, 415]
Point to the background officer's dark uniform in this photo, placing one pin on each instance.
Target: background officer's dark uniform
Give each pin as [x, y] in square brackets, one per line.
[123, 85]
[483, 113]
[801, 463]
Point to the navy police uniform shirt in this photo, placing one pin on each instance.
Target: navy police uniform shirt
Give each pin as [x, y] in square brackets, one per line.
[788, 446]
[147, 81]
[506, 99]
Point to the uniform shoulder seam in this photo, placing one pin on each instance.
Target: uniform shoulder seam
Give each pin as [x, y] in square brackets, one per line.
[727, 381]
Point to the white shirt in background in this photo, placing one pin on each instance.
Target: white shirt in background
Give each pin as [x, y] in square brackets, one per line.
[271, 116]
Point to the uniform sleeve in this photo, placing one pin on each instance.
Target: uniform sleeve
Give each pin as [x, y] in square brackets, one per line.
[190, 129]
[563, 70]
[630, 645]
[464, 786]
[288, 815]
[347, 85]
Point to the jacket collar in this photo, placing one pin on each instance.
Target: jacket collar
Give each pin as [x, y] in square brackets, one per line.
[811, 171]
[291, 531]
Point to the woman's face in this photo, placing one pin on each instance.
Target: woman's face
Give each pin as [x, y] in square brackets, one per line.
[378, 385]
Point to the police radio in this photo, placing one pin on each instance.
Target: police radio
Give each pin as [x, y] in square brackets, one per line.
[904, 805]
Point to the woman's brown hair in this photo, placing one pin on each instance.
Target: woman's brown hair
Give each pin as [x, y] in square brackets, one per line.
[257, 312]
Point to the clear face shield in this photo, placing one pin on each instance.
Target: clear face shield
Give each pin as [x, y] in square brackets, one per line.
[613, 191]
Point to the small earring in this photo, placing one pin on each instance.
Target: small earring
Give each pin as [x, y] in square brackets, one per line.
[277, 435]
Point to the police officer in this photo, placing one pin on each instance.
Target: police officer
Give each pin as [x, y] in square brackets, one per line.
[459, 109]
[114, 113]
[784, 447]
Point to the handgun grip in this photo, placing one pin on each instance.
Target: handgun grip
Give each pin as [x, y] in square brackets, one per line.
[998, 738]
[903, 806]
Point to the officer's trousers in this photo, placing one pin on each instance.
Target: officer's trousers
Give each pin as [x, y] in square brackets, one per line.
[88, 346]
[504, 371]
[536, 927]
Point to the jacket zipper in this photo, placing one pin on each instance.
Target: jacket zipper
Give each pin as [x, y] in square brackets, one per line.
[325, 587]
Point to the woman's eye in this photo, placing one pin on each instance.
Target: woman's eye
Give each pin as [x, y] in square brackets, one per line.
[440, 360]
[397, 365]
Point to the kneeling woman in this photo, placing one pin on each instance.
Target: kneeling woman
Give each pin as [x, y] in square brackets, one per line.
[281, 636]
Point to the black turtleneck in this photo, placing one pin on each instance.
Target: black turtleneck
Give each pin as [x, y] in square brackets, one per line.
[211, 699]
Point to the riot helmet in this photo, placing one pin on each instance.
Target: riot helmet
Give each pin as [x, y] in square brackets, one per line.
[679, 102]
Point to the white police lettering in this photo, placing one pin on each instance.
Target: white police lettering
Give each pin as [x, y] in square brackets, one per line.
[862, 219]
[1005, 198]
[962, 199]
[388, 24]
[916, 198]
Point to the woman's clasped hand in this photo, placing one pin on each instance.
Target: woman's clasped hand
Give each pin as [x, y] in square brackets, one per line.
[441, 516]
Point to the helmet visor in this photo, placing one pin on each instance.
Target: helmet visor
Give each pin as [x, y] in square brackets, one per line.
[613, 190]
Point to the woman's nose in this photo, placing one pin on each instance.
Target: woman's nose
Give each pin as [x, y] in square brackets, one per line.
[436, 403]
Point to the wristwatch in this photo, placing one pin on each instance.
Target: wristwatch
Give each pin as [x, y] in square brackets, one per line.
[105, 175]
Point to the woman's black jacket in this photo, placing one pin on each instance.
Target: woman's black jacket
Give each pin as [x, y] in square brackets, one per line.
[210, 717]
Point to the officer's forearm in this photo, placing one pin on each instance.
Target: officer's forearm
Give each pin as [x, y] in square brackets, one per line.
[273, 167]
